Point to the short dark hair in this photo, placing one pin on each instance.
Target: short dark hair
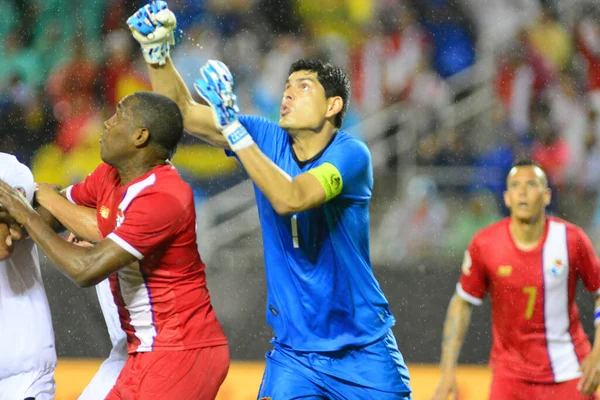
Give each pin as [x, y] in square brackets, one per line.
[334, 80]
[527, 162]
[161, 116]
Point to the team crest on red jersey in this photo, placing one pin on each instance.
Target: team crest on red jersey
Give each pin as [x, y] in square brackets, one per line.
[557, 268]
[120, 218]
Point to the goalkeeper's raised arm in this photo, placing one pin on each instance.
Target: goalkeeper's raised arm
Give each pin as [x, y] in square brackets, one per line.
[152, 26]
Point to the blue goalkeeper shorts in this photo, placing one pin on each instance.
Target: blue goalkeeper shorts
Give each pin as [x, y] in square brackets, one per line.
[375, 371]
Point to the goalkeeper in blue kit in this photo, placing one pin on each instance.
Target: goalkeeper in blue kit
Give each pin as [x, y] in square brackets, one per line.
[313, 184]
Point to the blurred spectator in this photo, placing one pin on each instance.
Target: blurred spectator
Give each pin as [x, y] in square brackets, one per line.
[17, 59]
[499, 21]
[480, 211]
[549, 150]
[550, 40]
[495, 162]
[570, 119]
[587, 35]
[71, 90]
[121, 77]
[413, 227]
[514, 85]
[452, 35]
[454, 151]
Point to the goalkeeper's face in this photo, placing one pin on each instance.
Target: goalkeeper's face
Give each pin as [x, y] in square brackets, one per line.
[304, 105]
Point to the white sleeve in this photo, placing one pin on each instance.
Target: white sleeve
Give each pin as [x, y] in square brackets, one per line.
[17, 175]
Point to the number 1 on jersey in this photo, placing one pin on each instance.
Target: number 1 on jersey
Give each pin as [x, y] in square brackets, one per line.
[295, 231]
[532, 292]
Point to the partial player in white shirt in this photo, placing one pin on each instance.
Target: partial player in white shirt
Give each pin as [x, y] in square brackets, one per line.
[82, 221]
[27, 352]
[109, 371]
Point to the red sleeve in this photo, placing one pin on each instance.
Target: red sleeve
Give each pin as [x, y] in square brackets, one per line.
[86, 193]
[473, 283]
[588, 266]
[149, 222]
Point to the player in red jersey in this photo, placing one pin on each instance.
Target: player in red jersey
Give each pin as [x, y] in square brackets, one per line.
[145, 212]
[529, 263]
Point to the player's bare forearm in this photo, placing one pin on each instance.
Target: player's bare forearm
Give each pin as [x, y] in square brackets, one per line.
[84, 266]
[457, 322]
[50, 219]
[80, 220]
[197, 118]
[286, 195]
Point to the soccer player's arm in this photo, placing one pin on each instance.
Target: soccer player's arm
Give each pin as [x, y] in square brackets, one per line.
[80, 220]
[588, 268]
[311, 188]
[469, 291]
[84, 266]
[74, 207]
[197, 118]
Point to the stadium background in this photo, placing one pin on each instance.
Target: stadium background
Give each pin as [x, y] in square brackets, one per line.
[447, 93]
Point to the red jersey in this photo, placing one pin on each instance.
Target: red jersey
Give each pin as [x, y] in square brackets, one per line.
[162, 299]
[537, 334]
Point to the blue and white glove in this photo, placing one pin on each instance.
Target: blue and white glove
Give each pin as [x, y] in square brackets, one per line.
[152, 26]
[216, 87]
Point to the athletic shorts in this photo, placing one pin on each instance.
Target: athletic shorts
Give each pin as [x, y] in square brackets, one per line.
[193, 374]
[39, 385]
[507, 388]
[376, 371]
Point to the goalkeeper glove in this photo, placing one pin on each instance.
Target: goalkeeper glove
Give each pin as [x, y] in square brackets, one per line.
[152, 26]
[216, 87]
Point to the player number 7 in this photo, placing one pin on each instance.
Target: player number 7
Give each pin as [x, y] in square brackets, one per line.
[532, 292]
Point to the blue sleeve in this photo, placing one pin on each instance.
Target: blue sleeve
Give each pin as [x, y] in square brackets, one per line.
[352, 159]
[267, 135]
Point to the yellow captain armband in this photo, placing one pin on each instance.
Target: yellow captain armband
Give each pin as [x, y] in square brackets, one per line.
[330, 179]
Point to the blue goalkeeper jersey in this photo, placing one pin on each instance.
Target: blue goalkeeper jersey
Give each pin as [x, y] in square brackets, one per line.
[321, 291]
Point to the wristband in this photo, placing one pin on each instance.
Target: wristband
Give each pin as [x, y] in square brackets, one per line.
[597, 316]
[237, 136]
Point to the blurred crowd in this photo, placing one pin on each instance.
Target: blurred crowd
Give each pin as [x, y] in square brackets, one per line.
[67, 63]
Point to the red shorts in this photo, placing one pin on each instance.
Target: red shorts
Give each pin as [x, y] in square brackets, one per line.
[506, 388]
[187, 374]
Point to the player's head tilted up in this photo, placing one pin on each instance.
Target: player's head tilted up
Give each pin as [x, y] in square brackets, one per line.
[315, 93]
[527, 193]
[146, 126]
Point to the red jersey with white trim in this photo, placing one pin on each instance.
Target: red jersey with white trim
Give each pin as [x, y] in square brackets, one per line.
[537, 333]
[162, 299]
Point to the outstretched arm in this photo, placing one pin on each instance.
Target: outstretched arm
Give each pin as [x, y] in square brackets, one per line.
[197, 118]
[457, 322]
[152, 26]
